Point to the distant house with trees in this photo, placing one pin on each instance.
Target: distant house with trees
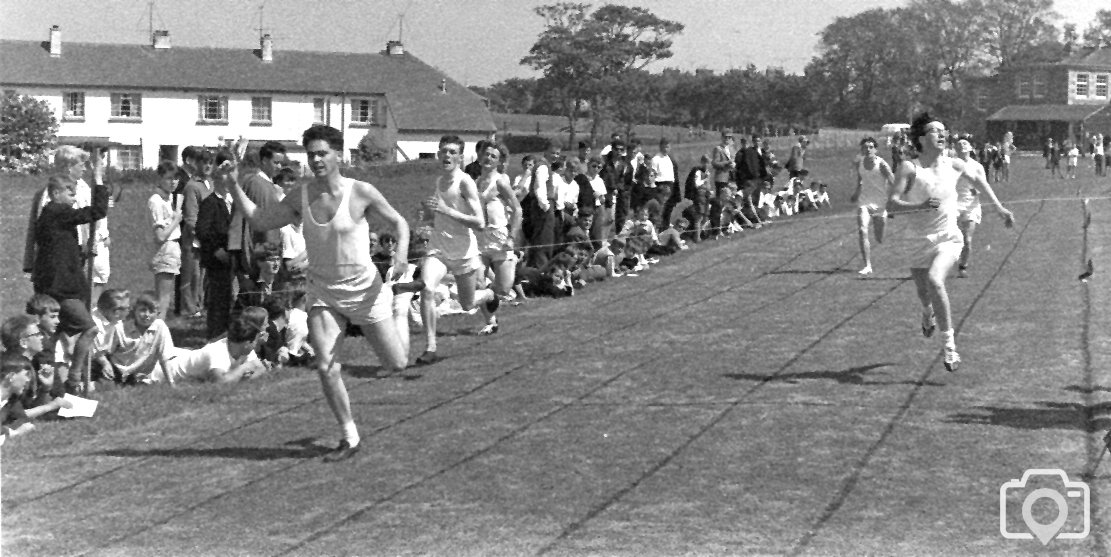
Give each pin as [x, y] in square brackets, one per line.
[1067, 99]
[145, 103]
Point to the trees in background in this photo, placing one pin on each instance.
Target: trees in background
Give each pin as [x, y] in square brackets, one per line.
[876, 66]
[28, 133]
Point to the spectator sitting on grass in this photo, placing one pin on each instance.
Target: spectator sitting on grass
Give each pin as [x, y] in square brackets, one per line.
[604, 256]
[552, 279]
[46, 309]
[822, 198]
[297, 331]
[21, 336]
[275, 346]
[268, 263]
[145, 343]
[807, 197]
[671, 240]
[15, 376]
[766, 206]
[383, 256]
[225, 360]
[632, 259]
[640, 225]
[112, 306]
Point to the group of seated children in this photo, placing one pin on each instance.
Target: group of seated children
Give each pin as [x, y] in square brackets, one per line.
[134, 346]
[793, 198]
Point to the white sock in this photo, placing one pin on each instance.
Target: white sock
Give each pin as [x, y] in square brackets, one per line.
[351, 433]
[948, 338]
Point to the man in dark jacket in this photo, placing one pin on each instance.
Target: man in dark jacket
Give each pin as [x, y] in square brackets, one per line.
[752, 169]
[59, 267]
[213, 220]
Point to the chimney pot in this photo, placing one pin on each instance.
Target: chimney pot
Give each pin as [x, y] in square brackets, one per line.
[443, 85]
[161, 39]
[55, 42]
[266, 48]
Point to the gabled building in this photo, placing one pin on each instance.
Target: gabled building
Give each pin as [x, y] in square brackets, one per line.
[147, 102]
[1066, 99]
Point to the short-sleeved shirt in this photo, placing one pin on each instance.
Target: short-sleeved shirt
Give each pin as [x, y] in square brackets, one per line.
[198, 364]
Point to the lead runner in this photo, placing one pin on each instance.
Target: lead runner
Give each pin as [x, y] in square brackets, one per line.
[926, 190]
[343, 284]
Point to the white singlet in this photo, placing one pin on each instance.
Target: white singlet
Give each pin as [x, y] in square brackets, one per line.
[968, 200]
[451, 239]
[940, 224]
[873, 186]
[340, 273]
[496, 234]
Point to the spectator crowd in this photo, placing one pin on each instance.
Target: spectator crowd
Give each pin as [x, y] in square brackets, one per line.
[563, 223]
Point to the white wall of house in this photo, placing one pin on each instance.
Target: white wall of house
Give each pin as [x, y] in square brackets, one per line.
[170, 118]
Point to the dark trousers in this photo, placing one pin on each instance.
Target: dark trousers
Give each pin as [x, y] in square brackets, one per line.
[671, 199]
[620, 209]
[217, 301]
[1099, 165]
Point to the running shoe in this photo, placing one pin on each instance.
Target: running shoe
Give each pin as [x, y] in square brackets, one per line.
[489, 329]
[929, 325]
[343, 452]
[428, 358]
[952, 359]
[867, 270]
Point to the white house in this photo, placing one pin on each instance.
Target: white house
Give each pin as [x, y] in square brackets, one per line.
[148, 102]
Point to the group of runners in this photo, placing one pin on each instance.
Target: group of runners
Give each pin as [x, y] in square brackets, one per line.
[940, 196]
[472, 228]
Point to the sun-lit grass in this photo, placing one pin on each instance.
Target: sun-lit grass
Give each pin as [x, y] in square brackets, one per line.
[735, 399]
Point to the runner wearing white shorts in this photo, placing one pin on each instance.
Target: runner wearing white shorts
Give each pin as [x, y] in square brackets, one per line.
[453, 247]
[496, 194]
[343, 284]
[873, 181]
[970, 187]
[926, 190]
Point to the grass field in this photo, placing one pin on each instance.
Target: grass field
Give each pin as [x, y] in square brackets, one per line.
[747, 397]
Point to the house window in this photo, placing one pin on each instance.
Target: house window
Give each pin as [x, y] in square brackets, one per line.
[364, 111]
[1039, 86]
[130, 157]
[1023, 87]
[260, 110]
[1082, 85]
[127, 106]
[318, 115]
[1101, 85]
[73, 106]
[212, 109]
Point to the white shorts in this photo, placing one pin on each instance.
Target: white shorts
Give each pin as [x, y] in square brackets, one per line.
[460, 266]
[101, 268]
[927, 252]
[973, 214]
[373, 306]
[873, 210]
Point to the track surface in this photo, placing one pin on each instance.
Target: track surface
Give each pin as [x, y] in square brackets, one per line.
[749, 397]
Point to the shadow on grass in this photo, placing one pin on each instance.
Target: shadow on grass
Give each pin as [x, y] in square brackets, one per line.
[851, 376]
[296, 449]
[1088, 390]
[1048, 415]
[379, 372]
[812, 272]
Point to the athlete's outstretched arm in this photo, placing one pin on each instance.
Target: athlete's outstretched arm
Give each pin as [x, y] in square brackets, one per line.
[273, 216]
[980, 179]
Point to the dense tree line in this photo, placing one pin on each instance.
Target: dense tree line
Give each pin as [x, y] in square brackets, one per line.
[876, 66]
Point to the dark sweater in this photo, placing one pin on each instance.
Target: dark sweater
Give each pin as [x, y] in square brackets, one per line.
[58, 269]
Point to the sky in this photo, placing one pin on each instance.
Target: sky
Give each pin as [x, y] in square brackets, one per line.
[476, 42]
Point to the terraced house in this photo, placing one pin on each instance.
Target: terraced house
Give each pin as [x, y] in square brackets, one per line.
[147, 102]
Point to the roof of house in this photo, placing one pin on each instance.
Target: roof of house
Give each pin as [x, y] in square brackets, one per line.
[411, 87]
[1098, 58]
[1047, 112]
